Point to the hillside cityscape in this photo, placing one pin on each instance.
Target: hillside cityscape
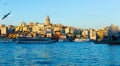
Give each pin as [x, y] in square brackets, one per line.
[58, 32]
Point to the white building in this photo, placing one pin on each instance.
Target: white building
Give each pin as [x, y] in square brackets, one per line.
[92, 34]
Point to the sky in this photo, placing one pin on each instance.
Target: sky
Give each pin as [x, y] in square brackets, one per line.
[77, 13]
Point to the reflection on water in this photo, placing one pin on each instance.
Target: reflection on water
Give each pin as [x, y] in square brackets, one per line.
[60, 54]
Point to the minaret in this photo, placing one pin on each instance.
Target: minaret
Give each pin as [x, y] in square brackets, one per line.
[47, 22]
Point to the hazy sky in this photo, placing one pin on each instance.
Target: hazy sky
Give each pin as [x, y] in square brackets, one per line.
[78, 13]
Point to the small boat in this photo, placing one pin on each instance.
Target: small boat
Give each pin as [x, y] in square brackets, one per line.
[5, 41]
[63, 40]
[60, 40]
[81, 40]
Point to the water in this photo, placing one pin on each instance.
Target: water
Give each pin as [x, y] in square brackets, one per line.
[60, 54]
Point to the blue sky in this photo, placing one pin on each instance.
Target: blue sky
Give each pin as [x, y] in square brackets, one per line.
[78, 13]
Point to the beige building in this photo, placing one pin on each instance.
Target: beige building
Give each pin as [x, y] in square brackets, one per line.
[22, 27]
[72, 30]
[62, 37]
[3, 30]
[67, 30]
[39, 28]
[100, 34]
[48, 31]
[17, 28]
[85, 33]
[35, 29]
[56, 28]
[49, 35]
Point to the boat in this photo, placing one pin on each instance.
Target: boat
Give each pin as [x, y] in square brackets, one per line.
[30, 40]
[63, 40]
[81, 40]
[2, 40]
[60, 40]
[107, 42]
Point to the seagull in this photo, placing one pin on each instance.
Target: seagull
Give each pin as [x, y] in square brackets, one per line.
[6, 15]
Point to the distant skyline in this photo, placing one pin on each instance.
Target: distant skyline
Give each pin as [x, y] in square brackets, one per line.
[78, 13]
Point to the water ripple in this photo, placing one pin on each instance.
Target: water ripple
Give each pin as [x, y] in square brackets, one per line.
[59, 54]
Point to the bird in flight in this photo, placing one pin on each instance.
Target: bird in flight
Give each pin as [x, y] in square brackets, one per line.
[6, 15]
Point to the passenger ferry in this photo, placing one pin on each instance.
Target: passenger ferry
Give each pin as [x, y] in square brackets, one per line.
[30, 40]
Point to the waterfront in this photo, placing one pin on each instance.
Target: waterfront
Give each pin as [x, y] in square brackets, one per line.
[60, 54]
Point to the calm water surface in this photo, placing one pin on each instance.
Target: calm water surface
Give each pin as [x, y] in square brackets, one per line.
[60, 54]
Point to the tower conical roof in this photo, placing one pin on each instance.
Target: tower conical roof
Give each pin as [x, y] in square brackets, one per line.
[47, 17]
